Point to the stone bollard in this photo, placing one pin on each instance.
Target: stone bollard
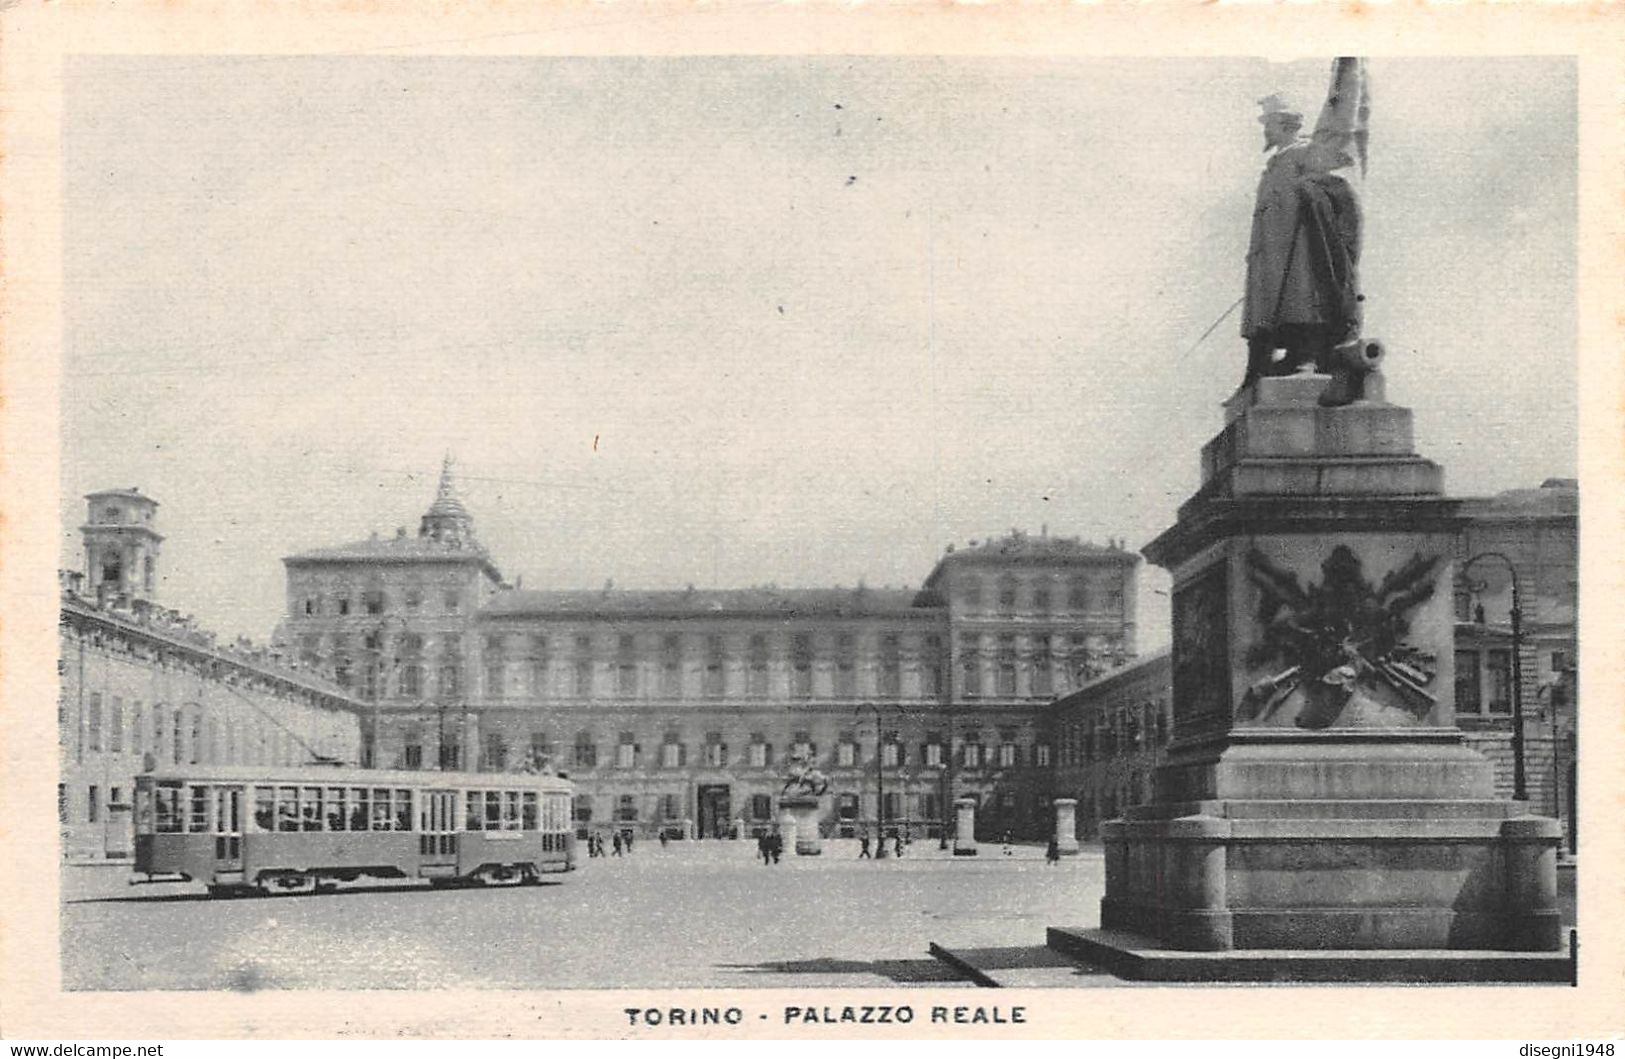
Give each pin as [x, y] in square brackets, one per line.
[965, 827]
[1066, 826]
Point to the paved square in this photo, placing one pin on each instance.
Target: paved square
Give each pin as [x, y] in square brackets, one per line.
[702, 914]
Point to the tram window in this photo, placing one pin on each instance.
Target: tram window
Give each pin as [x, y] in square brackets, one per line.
[382, 816]
[265, 808]
[472, 800]
[167, 807]
[335, 808]
[493, 810]
[510, 810]
[310, 809]
[287, 808]
[403, 810]
[197, 817]
[360, 811]
[143, 808]
[528, 822]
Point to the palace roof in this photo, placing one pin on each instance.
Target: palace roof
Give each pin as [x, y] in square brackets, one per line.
[689, 603]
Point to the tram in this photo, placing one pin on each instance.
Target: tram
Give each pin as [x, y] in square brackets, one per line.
[241, 829]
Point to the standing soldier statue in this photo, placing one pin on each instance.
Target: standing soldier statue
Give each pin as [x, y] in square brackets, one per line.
[1302, 303]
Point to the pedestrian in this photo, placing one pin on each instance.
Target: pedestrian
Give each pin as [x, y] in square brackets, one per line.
[897, 843]
[777, 847]
[863, 846]
[1006, 841]
[664, 838]
[616, 839]
[629, 842]
[761, 848]
[1052, 852]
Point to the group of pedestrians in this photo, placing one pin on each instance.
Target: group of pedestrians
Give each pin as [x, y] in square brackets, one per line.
[769, 847]
[895, 837]
[620, 842]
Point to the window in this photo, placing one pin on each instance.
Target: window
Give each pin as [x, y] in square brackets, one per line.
[586, 751]
[894, 806]
[414, 598]
[846, 666]
[1007, 594]
[626, 666]
[344, 605]
[970, 666]
[932, 751]
[541, 750]
[115, 726]
[62, 803]
[716, 751]
[1469, 695]
[1007, 664]
[581, 809]
[1080, 659]
[756, 676]
[1043, 666]
[971, 751]
[495, 686]
[166, 806]
[761, 807]
[495, 757]
[583, 667]
[372, 601]
[801, 745]
[1498, 678]
[671, 807]
[93, 805]
[846, 806]
[451, 753]
[627, 809]
[1041, 755]
[891, 751]
[716, 675]
[453, 600]
[671, 666]
[1007, 755]
[451, 680]
[1042, 601]
[177, 731]
[1077, 594]
[761, 752]
[138, 729]
[626, 751]
[846, 750]
[891, 665]
[931, 806]
[412, 680]
[931, 667]
[95, 721]
[673, 754]
[539, 660]
[801, 665]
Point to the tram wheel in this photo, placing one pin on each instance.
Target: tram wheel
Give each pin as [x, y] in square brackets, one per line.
[500, 875]
[285, 883]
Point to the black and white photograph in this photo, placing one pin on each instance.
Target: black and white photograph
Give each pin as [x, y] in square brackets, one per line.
[768, 526]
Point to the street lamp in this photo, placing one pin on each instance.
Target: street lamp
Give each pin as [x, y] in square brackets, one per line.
[942, 802]
[1520, 788]
[880, 781]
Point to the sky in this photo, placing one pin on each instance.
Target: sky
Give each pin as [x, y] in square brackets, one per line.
[738, 321]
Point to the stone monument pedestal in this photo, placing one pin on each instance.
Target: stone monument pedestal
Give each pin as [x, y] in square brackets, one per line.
[1317, 794]
[1066, 826]
[798, 823]
[965, 827]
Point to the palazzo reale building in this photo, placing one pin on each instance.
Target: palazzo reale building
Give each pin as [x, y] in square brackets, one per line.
[679, 711]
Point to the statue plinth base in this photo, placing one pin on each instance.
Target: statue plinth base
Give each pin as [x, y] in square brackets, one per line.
[799, 823]
[1320, 797]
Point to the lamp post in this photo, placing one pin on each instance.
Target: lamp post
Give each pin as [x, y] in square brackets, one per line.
[1520, 787]
[880, 778]
[942, 802]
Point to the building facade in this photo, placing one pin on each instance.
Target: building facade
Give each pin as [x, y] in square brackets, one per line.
[141, 685]
[679, 711]
[1110, 735]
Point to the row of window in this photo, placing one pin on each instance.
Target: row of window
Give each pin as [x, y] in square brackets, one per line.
[674, 807]
[1124, 730]
[496, 752]
[376, 602]
[1010, 592]
[200, 808]
[181, 735]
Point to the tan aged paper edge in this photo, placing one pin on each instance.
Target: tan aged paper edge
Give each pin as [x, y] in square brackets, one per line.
[34, 37]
